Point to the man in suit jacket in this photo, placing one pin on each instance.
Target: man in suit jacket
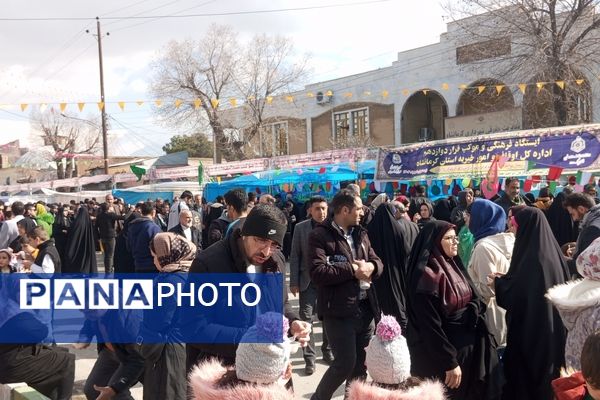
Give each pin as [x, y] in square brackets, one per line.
[300, 282]
[186, 229]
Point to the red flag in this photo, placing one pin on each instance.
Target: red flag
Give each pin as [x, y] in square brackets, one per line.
[554, 173]
[322, 170]
[536, 179]
[492, 174]
[527, 185]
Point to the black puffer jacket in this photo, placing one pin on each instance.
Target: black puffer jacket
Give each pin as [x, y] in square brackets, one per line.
[331, 269]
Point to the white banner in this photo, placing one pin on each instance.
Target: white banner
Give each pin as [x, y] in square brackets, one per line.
[122, 178]
[238, 167]
[172, 173]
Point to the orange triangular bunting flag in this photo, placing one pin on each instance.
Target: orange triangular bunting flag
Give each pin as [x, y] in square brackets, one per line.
[158, 103]
[522, 87]
[385, 93]
[310, 94]
[445, 86]
[499, 88]
[100, 105]
[480, 89]
[233, 102]
[462, 86]
[347, 95]
[579, 81]
[214, 102]
[178, 103]
[540, 86]
[139, 102]
[121, 105]
[289, 98]
[560, 84]
[269, 99]
[329, 93]
[425, 91]
[80, 106]
[405, 92]
[24, 106]
[197, 103]
[63, 106]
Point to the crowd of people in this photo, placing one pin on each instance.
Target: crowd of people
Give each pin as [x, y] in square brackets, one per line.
[459, 298]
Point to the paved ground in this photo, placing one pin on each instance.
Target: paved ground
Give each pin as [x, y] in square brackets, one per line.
[304, 386]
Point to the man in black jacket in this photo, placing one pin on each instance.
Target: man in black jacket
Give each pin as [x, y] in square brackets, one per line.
[342, 265]
[254, 247]
[186, 229]
[583, 209]
[106, 224]
[512, 195]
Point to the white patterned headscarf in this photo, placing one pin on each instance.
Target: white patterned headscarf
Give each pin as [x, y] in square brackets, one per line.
[588, 262]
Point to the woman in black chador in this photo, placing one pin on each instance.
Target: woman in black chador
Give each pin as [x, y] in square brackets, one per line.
[80, 249]
[392, 240]
[536, 335]
[60, 230]
[447, 334]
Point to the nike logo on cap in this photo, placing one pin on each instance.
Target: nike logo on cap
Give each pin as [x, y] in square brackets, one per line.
[272, 232]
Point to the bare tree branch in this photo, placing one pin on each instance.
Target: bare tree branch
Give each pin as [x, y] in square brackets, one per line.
[217, 68]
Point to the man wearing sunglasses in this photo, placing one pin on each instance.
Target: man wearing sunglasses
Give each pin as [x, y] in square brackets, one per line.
[254, 246]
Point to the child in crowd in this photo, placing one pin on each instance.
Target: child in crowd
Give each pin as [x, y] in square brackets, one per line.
[6, 261]
[47, 260]
[261, 370]
[388, 363]
[584, 384]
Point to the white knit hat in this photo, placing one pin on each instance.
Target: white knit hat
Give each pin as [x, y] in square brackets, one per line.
[265, 362]
[388, 359]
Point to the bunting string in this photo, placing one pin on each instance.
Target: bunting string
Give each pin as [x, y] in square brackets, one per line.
[232, 102]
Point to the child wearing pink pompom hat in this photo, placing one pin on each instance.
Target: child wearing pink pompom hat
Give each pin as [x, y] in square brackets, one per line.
[388, 364]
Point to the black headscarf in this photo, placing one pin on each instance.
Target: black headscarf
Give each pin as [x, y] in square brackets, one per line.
[561, 223]
[443, 210]
[433, 273]
[421, 222]
[27, 223]
[392, 240]
[536, 335]
[80, 249]
[61, 224]
[60, 220]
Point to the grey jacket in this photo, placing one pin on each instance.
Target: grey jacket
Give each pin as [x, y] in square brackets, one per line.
[299, 267]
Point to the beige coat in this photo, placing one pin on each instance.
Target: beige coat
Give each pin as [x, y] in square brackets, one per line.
[490, 255]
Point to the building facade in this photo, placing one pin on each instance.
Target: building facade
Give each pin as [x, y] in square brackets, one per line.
[444, 90]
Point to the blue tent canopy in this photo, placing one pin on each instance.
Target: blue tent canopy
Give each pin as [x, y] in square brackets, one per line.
[263, 181]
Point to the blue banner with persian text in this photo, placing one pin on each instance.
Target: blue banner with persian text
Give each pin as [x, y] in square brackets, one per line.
[467, 157]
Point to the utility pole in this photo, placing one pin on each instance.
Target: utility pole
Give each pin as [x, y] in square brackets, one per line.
[103, 110]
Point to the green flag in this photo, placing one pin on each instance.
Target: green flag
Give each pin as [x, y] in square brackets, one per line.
[200, 173]
[138, 171]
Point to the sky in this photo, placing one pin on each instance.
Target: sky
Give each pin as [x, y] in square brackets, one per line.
[54, 61]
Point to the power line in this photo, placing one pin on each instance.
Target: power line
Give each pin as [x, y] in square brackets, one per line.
[145, 12]
[151, 20]
[219, 14]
